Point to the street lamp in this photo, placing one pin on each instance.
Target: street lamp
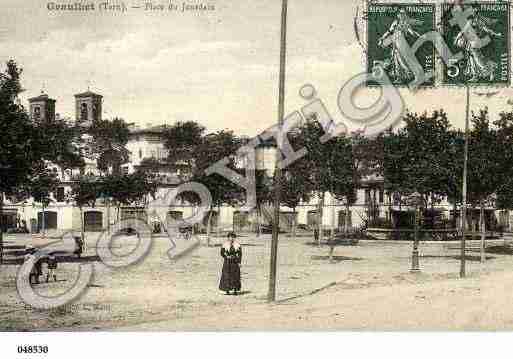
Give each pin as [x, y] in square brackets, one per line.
[416, 200]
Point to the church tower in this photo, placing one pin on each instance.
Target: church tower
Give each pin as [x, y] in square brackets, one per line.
[42, 108]
[88, 108]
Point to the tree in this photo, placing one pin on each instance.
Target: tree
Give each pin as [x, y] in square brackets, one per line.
[296, 188]
[368, 159]
[264, 194]
[453, 169]
[486, 162]
[85, 191]
[182, 140]
[61, 143]
[422, 157]
[60, 147]
[22, 149]
[128, 189]
[41, 186]
[107, 144]
[309, 137]
[504, 193]
[329, 165]
[157, 170]
[344, 175]
[191, 151]
[213, 148]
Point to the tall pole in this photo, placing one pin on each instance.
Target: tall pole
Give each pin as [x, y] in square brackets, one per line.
[415, 254]
[271, 297]
[464, 190]
[1, 228]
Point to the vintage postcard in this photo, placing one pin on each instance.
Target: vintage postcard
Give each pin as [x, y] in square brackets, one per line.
[271, 165]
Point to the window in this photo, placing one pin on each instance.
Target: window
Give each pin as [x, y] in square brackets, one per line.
[59, 195]
[381, 196]
[37, 113]
[95, 113]
[367, 196]
[153, 138]
[83, 112]
[140, 153]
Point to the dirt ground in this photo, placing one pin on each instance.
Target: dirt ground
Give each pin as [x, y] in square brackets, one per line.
[365, 287]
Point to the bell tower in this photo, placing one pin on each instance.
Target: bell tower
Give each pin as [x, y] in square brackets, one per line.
[88, 108]
[42, 108]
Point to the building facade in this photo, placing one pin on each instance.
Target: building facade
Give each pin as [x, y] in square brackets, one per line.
[148, 143]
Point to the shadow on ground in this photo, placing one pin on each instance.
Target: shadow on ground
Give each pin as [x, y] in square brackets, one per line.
[84, 259]
[342, 242]
[335, 258]
[242, 244]
[469, 258]
[500, 250]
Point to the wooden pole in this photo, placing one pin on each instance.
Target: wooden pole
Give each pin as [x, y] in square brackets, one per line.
[43, 221]
[271, 297]
[1, 228]
[482, 227]
[464, 190]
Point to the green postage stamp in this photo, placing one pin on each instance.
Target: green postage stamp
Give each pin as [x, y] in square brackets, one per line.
[481, 33]
[392, 30]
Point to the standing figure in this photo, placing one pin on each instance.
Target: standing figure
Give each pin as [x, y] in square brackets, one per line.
[398, 31]
[231, 251]
[316, 234]
[51, 262]
[478, 67]
[79, 246]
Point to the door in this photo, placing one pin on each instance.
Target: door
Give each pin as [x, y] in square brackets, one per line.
[172, 217]
[241, 221]
[342, 218]
[93, 221]
[311, 219]
[50, 220]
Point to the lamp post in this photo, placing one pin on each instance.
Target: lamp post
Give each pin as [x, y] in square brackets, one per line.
[415, 199]
[271, 296]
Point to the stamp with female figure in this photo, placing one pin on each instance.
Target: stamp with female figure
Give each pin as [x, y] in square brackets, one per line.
[480, 31]
[392, 31]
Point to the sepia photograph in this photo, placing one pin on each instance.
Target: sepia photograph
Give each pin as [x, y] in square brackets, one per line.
[246, 168]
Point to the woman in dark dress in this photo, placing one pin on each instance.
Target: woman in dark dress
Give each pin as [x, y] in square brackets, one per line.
[231, 251]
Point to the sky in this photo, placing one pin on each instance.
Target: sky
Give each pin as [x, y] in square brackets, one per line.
[219, 68]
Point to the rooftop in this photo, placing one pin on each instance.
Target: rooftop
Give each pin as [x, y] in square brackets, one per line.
[42, 97]
[88, 94]
[152, 130]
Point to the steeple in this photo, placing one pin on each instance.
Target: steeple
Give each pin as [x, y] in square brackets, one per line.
[42, 108]
[88, 107]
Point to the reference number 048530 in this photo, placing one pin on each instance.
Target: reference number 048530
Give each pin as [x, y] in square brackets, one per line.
[32, 349]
